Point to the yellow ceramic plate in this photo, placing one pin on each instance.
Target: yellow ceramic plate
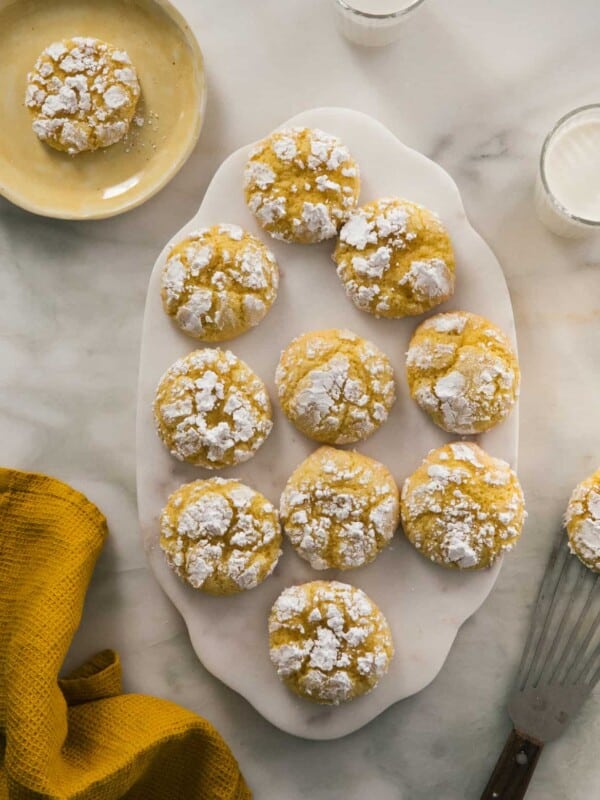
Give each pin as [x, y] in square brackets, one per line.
[117, 178]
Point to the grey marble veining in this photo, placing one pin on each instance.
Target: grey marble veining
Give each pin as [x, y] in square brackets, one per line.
[475, 85]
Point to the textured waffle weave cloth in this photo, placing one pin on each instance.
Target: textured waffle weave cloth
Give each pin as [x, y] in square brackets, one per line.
[79, 737]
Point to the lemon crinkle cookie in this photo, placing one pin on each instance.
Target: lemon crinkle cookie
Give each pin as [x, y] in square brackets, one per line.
[339, 509]
[328, 641]
[301, 183]
[220, 536]
[583, 521]
[219, 282]
[82, 94]
[212, 410]
[462, 508]
[395, 258]
[462, 370]
[334, 386]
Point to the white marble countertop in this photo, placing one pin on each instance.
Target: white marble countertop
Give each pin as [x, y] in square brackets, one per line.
[473, 85]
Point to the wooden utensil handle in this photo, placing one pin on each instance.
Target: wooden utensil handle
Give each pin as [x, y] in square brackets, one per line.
[513, 771]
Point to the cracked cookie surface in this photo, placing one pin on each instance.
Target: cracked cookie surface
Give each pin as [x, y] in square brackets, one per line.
[582, 519]
[462, 508]
[339, 509]
[82, 94]
[328, 641]
[301, 184]
[218, 283]
[212, 410]
[395, 258]
[334, 386]
[220, 536]
[463, 371]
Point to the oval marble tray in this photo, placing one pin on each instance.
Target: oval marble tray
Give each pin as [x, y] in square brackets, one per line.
[424, 604]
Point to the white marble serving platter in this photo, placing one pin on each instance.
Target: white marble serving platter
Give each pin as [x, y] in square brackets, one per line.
[425, 604]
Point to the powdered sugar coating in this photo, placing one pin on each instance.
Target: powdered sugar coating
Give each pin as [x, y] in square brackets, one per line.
[212, 410]
[220, 536]
[582, 519]
[395, 258]
[301, 183]
[463, 371]
[334, 386]
[339, 509]
[462, 507]
[218, 282]
[82, 93]
[328, 641]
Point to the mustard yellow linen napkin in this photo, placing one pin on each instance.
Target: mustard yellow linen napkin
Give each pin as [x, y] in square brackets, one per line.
[79, 738]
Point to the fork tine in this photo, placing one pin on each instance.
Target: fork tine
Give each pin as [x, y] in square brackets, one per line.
[546, 591]
[568, 648]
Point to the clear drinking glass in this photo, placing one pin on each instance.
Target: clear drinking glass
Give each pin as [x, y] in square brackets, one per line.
[567, 190]
[373, 22]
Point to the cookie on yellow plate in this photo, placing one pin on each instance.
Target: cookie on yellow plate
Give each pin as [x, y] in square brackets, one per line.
[583, 521]
[463, 371]
[82, 94]
[339, 509]
[220, 536]
[218, 282]
[395, 258]
[329, 641]
[301, 184]
[212, 410]
[335, 386]
[462, 508]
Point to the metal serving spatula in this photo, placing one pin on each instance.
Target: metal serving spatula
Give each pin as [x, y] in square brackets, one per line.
[559, 668]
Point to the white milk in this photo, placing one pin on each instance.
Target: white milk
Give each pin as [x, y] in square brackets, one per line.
[571, 166]
[372, 31]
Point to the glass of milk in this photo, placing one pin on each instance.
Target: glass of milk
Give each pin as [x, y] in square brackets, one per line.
[373, 22]
[567, 192]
